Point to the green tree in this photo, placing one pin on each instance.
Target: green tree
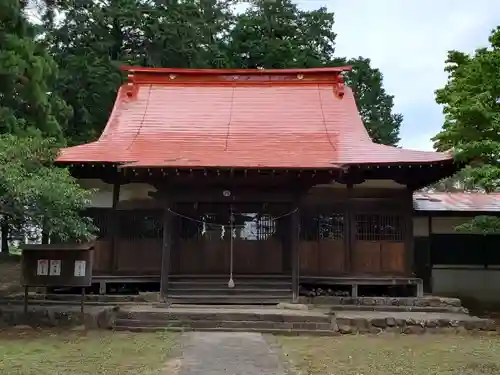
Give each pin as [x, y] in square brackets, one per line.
[374, 103]
[471, 102]
[32, 190]
[459, 182]
[277, 34]
[34, 193]
[27, 75]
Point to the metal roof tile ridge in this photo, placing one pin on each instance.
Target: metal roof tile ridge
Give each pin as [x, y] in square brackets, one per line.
[230, 119]
[142, 120]
[337, 69]
[324, 120]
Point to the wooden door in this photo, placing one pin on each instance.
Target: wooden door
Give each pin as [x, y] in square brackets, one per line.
[211, 235]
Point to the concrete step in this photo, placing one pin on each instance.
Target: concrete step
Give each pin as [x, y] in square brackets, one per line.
[222, 316]
[227, 324]
[284, 332]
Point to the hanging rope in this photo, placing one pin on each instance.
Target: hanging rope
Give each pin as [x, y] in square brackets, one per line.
[202, 222]
[230, 283]
[232, 233]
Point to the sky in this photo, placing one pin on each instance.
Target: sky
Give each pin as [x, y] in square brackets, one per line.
[408, 41]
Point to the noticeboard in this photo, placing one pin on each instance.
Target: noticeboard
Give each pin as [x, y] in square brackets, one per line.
[56, 265]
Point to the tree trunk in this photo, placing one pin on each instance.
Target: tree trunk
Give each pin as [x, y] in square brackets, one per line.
[4, 229]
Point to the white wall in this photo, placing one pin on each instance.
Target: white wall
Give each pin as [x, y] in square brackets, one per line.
[103, 198]
[470, 281]
[440, 225]
[473, 281]
[420, 226]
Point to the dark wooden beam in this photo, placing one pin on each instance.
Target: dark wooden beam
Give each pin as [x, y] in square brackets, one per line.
[408, 235]
[114, 227]
[294, 250]
[349, 232]
[166, 251]
[237, 194]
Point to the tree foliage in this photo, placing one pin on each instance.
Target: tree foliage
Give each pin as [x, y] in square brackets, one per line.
[471, 101]
[27, 72]
[374, 103]
[33, 193]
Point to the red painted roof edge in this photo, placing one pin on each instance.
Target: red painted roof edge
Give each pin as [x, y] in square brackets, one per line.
[337, 69]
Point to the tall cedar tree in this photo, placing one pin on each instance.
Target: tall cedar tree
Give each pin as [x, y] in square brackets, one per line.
[471, 101]
[27, 72]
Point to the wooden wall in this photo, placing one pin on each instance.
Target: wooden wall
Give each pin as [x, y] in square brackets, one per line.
[343, 242]
[372, 235]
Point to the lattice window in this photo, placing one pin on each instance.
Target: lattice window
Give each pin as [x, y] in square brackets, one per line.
[254, 226]
[316, 228]
[140, 224]
[376, 227]
[214, 227]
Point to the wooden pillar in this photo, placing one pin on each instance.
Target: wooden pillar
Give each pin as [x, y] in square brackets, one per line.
[114, 229]
[409, 240]
[349, 231]
[294, 251]
[166, 251]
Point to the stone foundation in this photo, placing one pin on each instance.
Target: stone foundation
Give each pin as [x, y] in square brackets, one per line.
[57, 317]
[430, 301]
[411, 326]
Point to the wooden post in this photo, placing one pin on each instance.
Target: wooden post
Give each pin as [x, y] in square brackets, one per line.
[408, 233]
[114, 229]
[26, 299]
[166, 250]
[349, 231]
[294, 245]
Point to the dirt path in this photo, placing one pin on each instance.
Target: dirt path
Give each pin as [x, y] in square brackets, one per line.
[231, 353]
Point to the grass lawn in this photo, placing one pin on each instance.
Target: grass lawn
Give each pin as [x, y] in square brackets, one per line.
[393, 355]
[79, 353]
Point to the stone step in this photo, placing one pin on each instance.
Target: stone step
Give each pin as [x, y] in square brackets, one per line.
[208, 284]
[284, 332]
[204, 291]
[223, 316]
[76, 297]
[228, 324]
[229, 299]
[387, 308]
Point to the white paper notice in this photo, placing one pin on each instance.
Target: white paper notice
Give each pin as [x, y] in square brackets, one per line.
[80, 268]
[55, 268]
[42, 268]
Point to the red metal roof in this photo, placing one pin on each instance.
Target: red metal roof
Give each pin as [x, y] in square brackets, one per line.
[474, 202]
[291, 118]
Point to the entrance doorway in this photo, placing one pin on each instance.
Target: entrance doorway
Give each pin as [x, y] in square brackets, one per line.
[250, 237]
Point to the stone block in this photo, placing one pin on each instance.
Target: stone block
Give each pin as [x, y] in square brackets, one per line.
[390, 322]
[443, 323]
[431, 323]
[292, 306]
[379, 322]
[414, 329]
[362, 325]
[346, 329]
